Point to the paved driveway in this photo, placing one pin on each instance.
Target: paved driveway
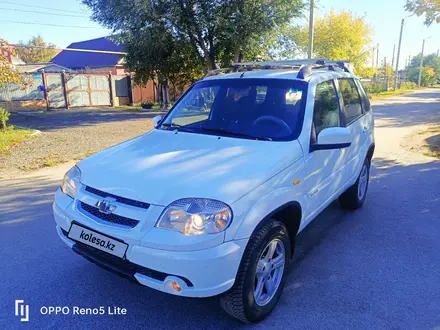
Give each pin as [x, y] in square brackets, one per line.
[377, 268]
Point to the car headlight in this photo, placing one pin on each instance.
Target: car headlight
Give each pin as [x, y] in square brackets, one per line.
[71, 182]
[196, 216]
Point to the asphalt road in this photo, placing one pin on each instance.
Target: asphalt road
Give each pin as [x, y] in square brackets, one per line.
[376, 268]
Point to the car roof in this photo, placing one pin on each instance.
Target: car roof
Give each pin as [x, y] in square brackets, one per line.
[317, 76]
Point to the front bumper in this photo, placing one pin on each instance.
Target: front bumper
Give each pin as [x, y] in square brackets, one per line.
[201, 273]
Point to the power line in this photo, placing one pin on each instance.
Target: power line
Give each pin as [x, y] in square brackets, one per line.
[42, 12]
[47, 24]
[40, 7]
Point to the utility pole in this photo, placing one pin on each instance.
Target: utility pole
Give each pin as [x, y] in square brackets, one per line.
[392, 62]
[398, 55]
[377, 57]
[372, 58]
[421, 64]
[311, 29]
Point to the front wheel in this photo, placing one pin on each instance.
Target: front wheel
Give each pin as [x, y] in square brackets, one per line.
[260, 278]
[354, 197]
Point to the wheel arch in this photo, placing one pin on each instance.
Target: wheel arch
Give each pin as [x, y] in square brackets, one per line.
[370, 151]
[290, 214]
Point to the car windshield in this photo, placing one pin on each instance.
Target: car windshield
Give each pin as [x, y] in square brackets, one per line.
[263, 109]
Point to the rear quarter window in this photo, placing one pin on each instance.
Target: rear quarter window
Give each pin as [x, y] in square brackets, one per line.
[366, 106]
[352, 101]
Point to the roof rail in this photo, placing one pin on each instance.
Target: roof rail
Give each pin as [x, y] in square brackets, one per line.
[305, 66]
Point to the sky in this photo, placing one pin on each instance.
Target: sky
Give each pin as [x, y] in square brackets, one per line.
[384, 16]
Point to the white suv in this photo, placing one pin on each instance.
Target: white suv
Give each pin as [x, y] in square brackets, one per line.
[210, 201]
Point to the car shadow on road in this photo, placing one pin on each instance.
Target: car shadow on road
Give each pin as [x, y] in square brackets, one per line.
[26, 200]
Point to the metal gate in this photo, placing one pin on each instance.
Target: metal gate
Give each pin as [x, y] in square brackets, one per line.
[88, 90]
[55, 91]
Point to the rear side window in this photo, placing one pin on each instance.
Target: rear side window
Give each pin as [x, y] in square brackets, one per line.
[326, 110]
[352, 101]
[364, 98]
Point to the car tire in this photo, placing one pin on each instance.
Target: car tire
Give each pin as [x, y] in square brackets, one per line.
[242, 301]
[354, 197]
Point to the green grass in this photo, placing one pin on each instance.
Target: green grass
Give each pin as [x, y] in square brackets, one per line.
[435, 154]
[129, 107]
[51, 160]
[432, 142]
[12, 136]
[384, 95]
[156, 106]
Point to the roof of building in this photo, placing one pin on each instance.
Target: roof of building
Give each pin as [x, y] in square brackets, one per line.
[38, 67]
[79, 60]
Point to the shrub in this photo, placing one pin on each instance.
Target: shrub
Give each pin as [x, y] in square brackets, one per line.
[4, 117]
[147, 105]
[374, 87]
[408, 85]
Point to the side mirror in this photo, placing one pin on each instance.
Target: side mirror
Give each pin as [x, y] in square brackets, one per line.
[156, 120]
[333, 138]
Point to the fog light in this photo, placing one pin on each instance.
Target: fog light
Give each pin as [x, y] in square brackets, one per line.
[176, 286]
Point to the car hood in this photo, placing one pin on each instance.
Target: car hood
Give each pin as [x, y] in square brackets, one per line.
[162, 166]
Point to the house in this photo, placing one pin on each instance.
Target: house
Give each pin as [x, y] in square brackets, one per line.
[90, 62]
[14, 60]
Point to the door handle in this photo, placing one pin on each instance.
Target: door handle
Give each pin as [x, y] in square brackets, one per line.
[365, 129]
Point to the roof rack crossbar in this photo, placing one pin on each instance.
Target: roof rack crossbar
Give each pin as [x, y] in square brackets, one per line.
[305, 66]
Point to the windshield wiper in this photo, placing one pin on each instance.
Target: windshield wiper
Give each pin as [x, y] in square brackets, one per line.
[179, 127]
[225, 131]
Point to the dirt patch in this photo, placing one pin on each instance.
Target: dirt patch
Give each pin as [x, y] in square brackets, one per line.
[425, 141]
[69, 136]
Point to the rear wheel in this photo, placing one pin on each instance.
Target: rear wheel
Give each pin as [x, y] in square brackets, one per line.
[354, 197]
[261, 275]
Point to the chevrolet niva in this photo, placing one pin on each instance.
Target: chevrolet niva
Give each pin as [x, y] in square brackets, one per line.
[210, 201]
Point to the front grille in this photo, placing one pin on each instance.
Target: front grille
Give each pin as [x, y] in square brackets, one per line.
[119, 199]
[113, 218]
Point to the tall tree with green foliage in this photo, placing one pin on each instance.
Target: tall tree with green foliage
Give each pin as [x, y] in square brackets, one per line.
[36, 55]
[210, 31]
[339, 36]
[428, 8]
[432, 60]
[428, 75]
[430, 71]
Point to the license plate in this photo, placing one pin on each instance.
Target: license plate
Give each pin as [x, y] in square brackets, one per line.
[97, 240]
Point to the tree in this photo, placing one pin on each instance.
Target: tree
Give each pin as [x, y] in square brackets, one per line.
[428, 75]
[339, 36]
[7, 72]
[36, 55]
[365, 72]
[213, 31]
[429, 8]
[431, 60]
[430, 71]
[154, 55]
